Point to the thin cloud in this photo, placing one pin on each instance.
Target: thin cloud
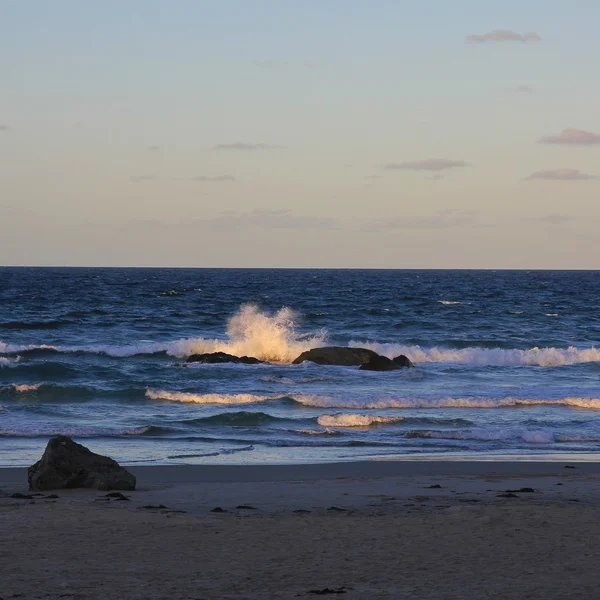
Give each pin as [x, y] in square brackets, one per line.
[572, 136]
[214, 179]
[442, 219]
[430, 164]
[4, 128]
[268, 219]
[373, 176]
[524, 89]
[153, 148]
[247, 147]
[503, 35]
[552, 219]
[199, 178]
[561, 175]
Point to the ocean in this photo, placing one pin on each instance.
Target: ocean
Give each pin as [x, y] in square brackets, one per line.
[507, 363]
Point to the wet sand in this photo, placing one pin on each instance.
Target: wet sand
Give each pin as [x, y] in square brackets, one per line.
[365, 530]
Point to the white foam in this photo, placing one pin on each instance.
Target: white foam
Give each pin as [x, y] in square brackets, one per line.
[316, 431]
[26, 387]
[355, 420]
[207, 398]
[487, 435]
[446, 402]
[541, 357]
[251, 332]
[8, 362]
[449, 302]
[290, 381]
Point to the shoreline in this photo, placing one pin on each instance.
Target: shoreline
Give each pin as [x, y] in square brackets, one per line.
[244, 473]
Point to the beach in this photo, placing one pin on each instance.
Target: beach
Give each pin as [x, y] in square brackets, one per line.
[380, 529]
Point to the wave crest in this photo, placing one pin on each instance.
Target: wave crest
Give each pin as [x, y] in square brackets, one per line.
[251, 332]
[207, 398]
[484, 357]
[355, 420]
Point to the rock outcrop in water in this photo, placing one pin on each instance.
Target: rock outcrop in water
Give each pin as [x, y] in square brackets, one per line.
[383, 363]
[222, 357]
[368, 360]
[337, 355]
[67, 464]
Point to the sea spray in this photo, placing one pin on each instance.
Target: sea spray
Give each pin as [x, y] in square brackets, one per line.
[252, 332]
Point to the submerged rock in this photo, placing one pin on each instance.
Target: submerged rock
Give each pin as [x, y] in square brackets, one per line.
[337, 355]
[67, 464]
[222, 357]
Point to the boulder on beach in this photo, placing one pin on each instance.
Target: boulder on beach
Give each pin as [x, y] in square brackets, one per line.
[222, 357]
[67, 464]
[337, 355]
[383, 363]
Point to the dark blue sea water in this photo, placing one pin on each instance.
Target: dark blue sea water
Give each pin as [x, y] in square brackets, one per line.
[506, 363]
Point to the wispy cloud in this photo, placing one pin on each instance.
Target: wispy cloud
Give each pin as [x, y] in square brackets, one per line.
[153, 148]
[247, 147]
[265, 218]
[442, 219]
[552, 219]
[4, 128]
[572, 136]
[373, 176]
[561, 175]
[430, 164]
[199, 178]
[523, 89]
[503, 35]
[215, 178]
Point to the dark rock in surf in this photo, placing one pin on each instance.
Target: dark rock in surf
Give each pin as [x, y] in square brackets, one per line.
[213, 358]
[67, 464]
[337, 355]
[380, 363]
[383, 363]
[402, 361]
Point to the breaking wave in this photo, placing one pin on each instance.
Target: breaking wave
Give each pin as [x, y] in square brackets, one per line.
[85, 432]
[250, 332]
[207, 398]
[483, 357]
[26, 387]
[492, 435]
[482, 402]
[346, 420]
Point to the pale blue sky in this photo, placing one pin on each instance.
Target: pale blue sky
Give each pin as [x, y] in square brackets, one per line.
[315, 133]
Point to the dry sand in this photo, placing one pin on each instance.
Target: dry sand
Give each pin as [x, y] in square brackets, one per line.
[397, 537]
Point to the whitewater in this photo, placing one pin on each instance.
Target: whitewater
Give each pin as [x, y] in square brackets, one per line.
[505, 362]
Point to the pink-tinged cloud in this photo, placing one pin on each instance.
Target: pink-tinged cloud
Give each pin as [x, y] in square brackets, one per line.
[430, 164]
[247, 147]
[572, 136]
[561, 175]
[503, 35]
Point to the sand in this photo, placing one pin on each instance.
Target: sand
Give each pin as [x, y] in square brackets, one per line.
[395, 537]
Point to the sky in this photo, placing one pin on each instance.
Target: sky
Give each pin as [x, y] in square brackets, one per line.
[313, 133]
